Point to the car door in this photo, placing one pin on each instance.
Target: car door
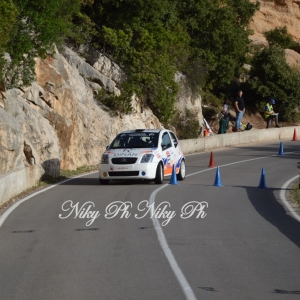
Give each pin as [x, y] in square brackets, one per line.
[177, 151]
[168, 153]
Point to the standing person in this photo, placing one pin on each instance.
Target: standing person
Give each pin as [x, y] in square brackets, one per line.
[239, 107]
[270, 114]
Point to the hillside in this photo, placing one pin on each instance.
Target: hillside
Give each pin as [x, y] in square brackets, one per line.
[272, 14]
[60, 120]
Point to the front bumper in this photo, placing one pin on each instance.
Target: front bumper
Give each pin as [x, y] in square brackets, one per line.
[134, 171]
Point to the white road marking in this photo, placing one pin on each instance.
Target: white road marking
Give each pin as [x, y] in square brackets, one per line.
[187, 290]
[284, 200]
[14, 206]
[238, 162]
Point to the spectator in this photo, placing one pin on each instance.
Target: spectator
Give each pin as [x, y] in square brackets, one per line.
[226, 111]
[222, 127]
[270, 114]
[239, 107]
[225, 116]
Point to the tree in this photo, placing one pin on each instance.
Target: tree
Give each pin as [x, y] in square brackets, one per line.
[219, 35]
[39, 24]
[152, 40]
[8, 13]
[144, 38]
[279, 37]
[272, 77]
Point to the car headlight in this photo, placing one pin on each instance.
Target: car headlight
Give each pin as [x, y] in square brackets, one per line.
[104, 159]
[147, 158]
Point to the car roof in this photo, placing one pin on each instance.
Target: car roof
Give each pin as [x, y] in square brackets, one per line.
[142, 130]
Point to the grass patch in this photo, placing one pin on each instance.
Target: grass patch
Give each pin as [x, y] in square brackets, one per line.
[65, 174]
[78, 171]
[295, 194]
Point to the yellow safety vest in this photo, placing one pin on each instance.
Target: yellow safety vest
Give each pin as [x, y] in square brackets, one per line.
[270, 108]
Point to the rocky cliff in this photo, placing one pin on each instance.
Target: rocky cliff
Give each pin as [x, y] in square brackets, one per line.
[58, 123]
[278, 13]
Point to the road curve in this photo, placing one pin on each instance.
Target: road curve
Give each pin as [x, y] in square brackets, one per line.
[245, 244]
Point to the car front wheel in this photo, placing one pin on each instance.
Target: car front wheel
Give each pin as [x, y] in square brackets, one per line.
[181, 173]
[159, 178]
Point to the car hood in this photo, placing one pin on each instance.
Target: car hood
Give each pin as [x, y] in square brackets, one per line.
[129, 152]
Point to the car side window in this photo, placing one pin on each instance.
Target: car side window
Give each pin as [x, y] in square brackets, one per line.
[166, 141]
[174, 139]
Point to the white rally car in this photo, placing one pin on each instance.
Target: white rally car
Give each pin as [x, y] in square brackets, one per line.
[142, 154]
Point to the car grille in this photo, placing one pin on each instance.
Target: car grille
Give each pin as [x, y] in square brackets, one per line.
[123, 160]
[124, 173]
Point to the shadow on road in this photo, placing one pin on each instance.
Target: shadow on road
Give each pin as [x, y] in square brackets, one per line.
[274, 212]
[95, 181]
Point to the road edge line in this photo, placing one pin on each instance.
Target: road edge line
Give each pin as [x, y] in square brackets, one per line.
[186, 288]
[16, 204]
[285, 201]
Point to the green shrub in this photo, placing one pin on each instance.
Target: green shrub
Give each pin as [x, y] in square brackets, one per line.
[211, 100]
[272, 77]
[31, 28]
[187, 126]
[280, 37]
[118, 104]
[295, 194]
[210, 113]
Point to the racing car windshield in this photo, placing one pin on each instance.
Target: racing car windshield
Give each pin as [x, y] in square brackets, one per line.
[135, 140]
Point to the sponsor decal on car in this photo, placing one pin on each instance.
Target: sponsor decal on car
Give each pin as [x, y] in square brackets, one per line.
[127, 154]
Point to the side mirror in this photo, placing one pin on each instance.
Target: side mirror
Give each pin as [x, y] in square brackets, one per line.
[107, 147]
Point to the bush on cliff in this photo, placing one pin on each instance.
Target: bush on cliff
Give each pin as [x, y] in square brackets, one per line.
[37, 25]
[151, 40]
[272, 77]
[279, 37]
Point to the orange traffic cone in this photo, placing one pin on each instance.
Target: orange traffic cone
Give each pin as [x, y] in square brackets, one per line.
[212, 161]
[295, 136]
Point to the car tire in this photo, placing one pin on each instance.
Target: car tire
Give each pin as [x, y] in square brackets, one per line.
[104, 181]
[181, 173]
[159, 178]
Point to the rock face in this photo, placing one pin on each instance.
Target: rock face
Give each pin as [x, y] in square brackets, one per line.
[276, 13]
[293, 59]
[26, 136]
[186, 99]
[57, 123]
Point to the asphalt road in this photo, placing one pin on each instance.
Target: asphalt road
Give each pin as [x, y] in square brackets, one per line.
[243, 245]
